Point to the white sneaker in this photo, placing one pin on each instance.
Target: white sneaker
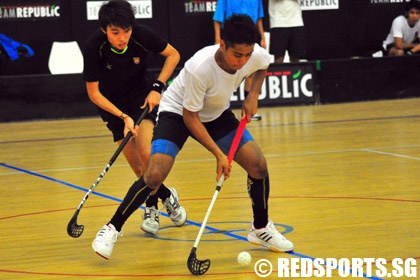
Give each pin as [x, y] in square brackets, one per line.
[269, 237]
[104, 241]
[176, 212]
[256, 117]
[150, 220]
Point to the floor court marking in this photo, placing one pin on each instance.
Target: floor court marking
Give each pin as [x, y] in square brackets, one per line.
[250, 125]
[373, 150]
[390, 154]
[340, 121]
[188, 221]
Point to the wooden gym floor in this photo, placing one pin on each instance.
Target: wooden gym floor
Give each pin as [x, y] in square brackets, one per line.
[344, 184]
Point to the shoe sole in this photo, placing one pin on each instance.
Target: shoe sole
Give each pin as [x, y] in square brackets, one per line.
[99, 254]
[272, 248]
[149, 232]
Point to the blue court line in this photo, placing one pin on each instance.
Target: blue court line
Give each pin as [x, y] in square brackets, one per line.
[56, 181]
[188, 221]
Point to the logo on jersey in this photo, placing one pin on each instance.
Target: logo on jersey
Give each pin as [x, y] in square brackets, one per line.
[136, 60]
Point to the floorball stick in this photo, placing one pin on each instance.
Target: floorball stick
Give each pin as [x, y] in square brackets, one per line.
[196, 266]
[75, 230]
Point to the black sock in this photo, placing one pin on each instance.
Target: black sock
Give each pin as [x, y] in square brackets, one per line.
[152, 201]
[163, 192]
[259, 191]
[135, 197]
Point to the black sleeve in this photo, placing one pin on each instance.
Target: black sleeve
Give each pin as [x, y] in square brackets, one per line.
[91, 58]
[149, 38]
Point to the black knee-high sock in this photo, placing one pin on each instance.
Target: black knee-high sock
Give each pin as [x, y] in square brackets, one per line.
[152, 201]
[259, 190]
[135, 197]
[162, 193]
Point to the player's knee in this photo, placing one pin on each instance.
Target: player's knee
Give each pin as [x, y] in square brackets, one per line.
[138, 171]
[262, 170]
[259, 169]
[144, 154]
[153, 178]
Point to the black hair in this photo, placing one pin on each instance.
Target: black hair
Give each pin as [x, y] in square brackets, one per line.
[119, 13]
[413, 4]
[239, 29]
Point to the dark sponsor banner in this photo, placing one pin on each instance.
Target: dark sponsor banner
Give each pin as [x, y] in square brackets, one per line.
[199, 7]
[284, 84]
[35, 11]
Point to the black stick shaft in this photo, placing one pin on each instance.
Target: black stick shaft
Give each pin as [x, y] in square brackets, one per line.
[73, 221]
[113, 158]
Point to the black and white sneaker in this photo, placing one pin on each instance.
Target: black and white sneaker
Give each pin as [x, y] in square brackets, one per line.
[176, 212]
[270, 238]
[150, 220]
[256, 117]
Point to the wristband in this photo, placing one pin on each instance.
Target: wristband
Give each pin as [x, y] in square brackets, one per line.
[123, 116]
[158, 86]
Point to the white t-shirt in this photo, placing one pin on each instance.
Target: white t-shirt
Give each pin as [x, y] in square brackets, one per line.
[285, 13]
[401, 29]
[203, 87]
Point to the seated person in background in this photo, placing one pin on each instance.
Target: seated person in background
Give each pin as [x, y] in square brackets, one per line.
[404, 35]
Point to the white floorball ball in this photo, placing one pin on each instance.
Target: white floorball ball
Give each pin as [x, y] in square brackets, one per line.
[244, 258]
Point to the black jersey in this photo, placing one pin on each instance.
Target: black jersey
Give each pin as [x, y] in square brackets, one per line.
[123, 78]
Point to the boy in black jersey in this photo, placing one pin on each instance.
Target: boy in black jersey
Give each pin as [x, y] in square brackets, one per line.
[117, 82]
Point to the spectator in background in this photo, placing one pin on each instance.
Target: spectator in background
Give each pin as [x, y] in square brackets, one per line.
[286, 30]
[404, 35]
[252, 8]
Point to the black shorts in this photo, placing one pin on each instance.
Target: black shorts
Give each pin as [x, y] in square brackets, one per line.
[171, 127]
[116, 125]
[385, 51]
[291, 39]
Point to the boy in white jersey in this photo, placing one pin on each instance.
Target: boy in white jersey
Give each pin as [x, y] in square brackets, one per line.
[197, 104]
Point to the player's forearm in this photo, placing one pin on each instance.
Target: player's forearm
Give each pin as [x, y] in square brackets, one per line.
[260, 27]
[101, 101]
[216, 25]
[416, 48]
[197, 129]
[171, 61]
[257, 81]
[250, 105]
[399, 44]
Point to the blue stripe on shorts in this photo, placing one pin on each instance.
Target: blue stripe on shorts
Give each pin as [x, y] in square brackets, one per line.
[225, 142]
[162, 146]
